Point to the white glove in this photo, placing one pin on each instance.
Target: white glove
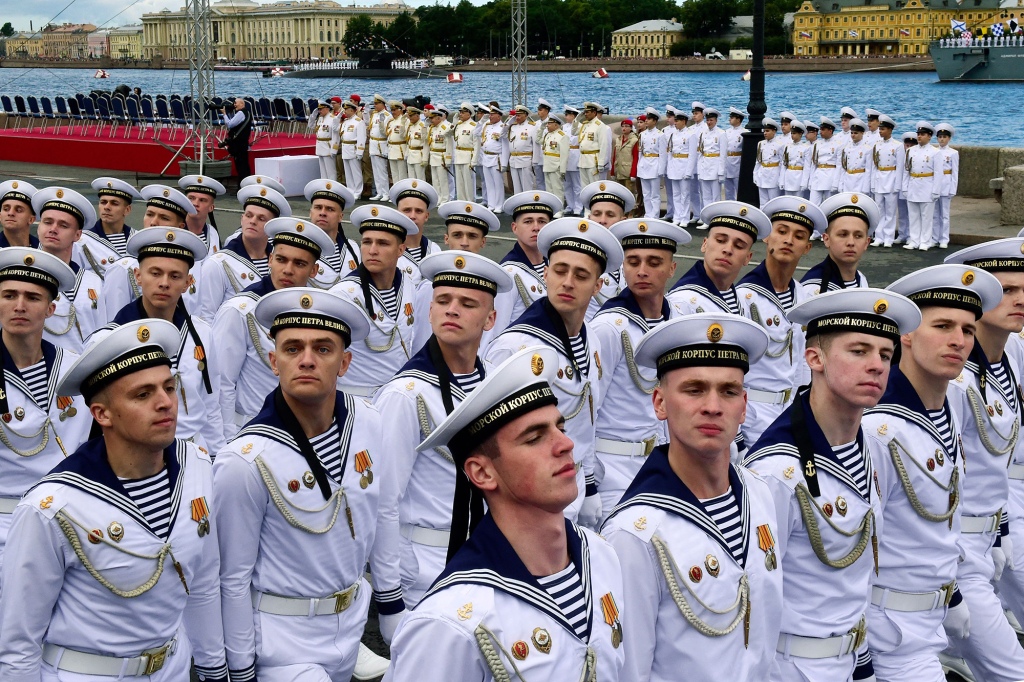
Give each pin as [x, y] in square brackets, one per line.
[388, 625]
[1008, 551]
[999, 561]
[591, 512]
[958, 621]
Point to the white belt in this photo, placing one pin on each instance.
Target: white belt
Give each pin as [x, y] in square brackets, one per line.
[305, 606]
[823, 647]
[895, 600]
[770, 397]
[360, 391]
[146, 663]
[8, 504]
[980, 524]
[626, 449]
[431, 537]
[1016, 473]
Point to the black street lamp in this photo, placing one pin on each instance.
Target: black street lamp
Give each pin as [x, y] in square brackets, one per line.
[756, 108]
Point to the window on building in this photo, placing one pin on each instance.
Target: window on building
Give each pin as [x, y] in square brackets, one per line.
[918, 33]
[917, 49]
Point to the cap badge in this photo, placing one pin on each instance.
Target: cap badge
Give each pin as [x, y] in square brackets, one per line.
[715, 333]
[460, 262]
[583, 226]
[60, 194]
[170, 236]
[299, 227]
[469, 208]
[1022, 248]
[601, 186]
[854, 199]
[200, 179]
[881, 305]
[415, 184]
[306, 301]
[143, 334]
[968, 278]
[29, 260]
[536, 364]
[802, 208]
[14, 185]
[259, 181]
[374, 212]
[536, 197]
[167, 192]
[109, 184]
[743, 212]
[642, 227]
[328, 185]
[263, 192]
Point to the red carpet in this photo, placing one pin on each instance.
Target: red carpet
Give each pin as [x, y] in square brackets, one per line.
[128, 154]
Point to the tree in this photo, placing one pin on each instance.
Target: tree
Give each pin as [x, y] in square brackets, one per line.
[707, 18]
[402, 33]
[358, 33]
[7, 31]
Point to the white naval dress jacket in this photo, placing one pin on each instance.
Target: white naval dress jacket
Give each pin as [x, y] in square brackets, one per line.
[49, 595]
[224, 274]
[120, 287]
[486, 592]
[796, 168]
[378, 132]
[677, 153]
[651, 161]
[888, 159]
[694, 292]
[767, 164]
[712, 151]
[78, 313]
[527, 287]
[922, 182]
[260, 476]
[95, 252]
[783, 365]
[856, 167]
[824, 162]
[658, 513]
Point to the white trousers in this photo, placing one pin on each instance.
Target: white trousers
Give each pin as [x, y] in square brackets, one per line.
[651, 188]
[887, 208]
[380, 175]
[819, 195]
[920, 213]
[680, 200]
[328, 171]
[399, 169]
[732, 188]
[670, 200]
[465, 184]
[439, 179]
[695, 200]
[903, 220]
[587, 176]
[572, 189]
[553, 182]
[494, 188]
[522, 179]
[710, 192]
[451, 184]
[940, 220]
[354, 176]
[905, 646]
[540, 177]
[417, 171]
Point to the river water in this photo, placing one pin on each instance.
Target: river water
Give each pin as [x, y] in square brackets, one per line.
[982, 113]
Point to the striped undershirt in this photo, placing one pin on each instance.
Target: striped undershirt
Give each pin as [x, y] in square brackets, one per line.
[36, 379]
[566, 588]
[1005, 384]
[152, 495]
[390, 299]
[261, 266]
[328, 450]
[852, 283]
[654, 321]
[724, 510]
[467, 382]
[539, 268]
[940, 419]
[729, 296]
[786, 298]
[334, 260]
[118, 243]
[852, 459]
[580, 351]
[415, 253]
[206, 240]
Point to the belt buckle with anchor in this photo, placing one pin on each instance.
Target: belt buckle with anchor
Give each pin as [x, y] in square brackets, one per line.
[342, 600]
[649, 444]
[155, 659]
[860, 633]
[947, 591]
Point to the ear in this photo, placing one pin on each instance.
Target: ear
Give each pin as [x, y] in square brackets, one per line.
[51, 309]
[907, 340]
[492, 317]
[101, 415]
[480, 471]
[658, 399]
[672, 269]
[272, 356]
[346, 360]
[815, 358]
[704, 245]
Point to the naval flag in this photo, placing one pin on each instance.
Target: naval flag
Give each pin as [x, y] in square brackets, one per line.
[997, 29]
[958, 25]
[805, 34]
[905, 32]
[853, 34]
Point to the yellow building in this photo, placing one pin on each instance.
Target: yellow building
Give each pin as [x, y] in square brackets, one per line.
[25, 45]
[126, 42]
[67, 41]
[892, 27]
[653, 38]
[245, 30]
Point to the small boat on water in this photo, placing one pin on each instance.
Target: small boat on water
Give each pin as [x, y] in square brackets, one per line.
[600, 73]
[100, 73]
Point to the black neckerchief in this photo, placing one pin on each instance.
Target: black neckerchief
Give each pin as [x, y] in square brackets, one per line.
[348, 245]
[365, 283]
[802, 439]
[443, 373]
[291, 425]
[563, 334]
[204, 363]
[830, 272]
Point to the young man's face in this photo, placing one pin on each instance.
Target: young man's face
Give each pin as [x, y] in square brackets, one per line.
[846, 240]
[606, 213]
[1008, 316]
[712, 121]
[308, 363]
[885, 132]
[856, 134]
[788, 242]
[465, 238]
[459, 315]
[704, 407]
[726, 252]
[769, 134]
[290, 266]
[526, 226]
[812, 135]
[680, 122]
[697, 115]
[58, 231]
[944, 138]
[854, 367]
[923, 137]
[572, 279]
[647, 271]
[254, 222]
[795, 135]
[140, 408]
[161, 216]
[942, 343]
[16, 215]
[735, 120]
[163, 282]
[826, 132]
[24, 307]
[203, 203]
[415, 210]
[326, 214]
[114, 210]
[380, 251]
[652, 123]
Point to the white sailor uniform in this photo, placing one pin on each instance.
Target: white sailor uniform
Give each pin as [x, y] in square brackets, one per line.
[694, 292]
[225, 274]
[528, 281]
[517, 149]
[80, 519]
[855, 160]
[79, 311]
[678, 165]
[573, 205]
[649, 169]
[734, 135]
[702, 596]
[922, 183]
[491, 136]
[294, 597]
[825, 276]
[409, 264]
[888, 159]
[97, 251]
[712, 150]
[824, 161]
[767, 169]
[487, 602]
[121, 288]
[795, 172]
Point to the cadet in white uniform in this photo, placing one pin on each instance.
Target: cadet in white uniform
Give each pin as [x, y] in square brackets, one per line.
[888, 158]
[920, 478]
[712, 150]
[543, 118]
[415, 200]
[607, 204]
[377, 129]
[855, 161]
[328, 201]
[824, 161]
[734, 135]
[922, 183]
[948, 185]
[418, 149]
[440, 158]
[103, 242]
[528, 582]
[39, 427]
[691, 518]
[524, 261]
[353, 143]
[595, 147]
[571, 127]
[626, 427]
[851, 218]
[141, 597]
[467, 146]
[903, 230]
[796, 162]
[578, 251]
[651, 164]
[491, 135]
[818, 466]
[328, 139]
[766, 167]
[398, 142]
[555, 144]
[202, 191]
[16, 214]
[678, 165]
[425, 391]
[517, 149]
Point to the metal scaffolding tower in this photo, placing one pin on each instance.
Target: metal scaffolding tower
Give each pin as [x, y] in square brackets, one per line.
[518, 52]
[200, 81]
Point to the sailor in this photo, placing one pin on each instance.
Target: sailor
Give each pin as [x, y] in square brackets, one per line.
[165, 256]
[819, 467]
[855, 161]
[16, 215]
[851, 217]
[104, 242]
[480, 111]
[903, 222]
[467, 145]
[573, 206]
[556, 156]
[692, 517]
[922, 183]
[769, 293]
[991, 379]
[202, 191]
[444, 370]
[734, 134]
[243, 260]
[886, 180]
[309, 452]
[415, 200]
[543, 118]
[517, 148]
[79, 310]
[608, 134]
[578, 252]
[595, 150]
[846, 115]
[378, 133]
[263, 181]
[245, 374]
[398, 142]
[382, 291]
[766, 166]
[328, 139]
[796, 162]
[947, 185]
[492, 133]
[712, 151]
[112, 568]
[919, 476]
[812, 132]
[677, 166]
[524, 261]
[328, 201]
[699, 126]
[626, 426]
[39, 426]
[786, 119]
[353, 142]
[528, 581]
[439, 134]
[871, 135]
[607, 204]
[650, 164]
[417, 150]
[710, 285]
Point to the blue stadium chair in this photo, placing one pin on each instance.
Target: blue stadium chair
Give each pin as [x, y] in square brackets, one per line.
[34, 113]
[76, 114]
[19, 104]
[135, 115]
[119, 116]
[61, 114]
[11, 112]
[148, 114]
[163, 114]
[103, 113]
[48, 114]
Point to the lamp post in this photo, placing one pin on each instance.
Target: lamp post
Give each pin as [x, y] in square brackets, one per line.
[756, 108]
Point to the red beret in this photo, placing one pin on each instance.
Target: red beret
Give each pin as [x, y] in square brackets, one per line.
[335, 99]
[627, 122]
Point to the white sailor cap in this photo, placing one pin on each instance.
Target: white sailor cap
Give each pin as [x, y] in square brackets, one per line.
[521, 109]
[885, 120]
[872, 113]
[128, 349]
[682, 113]
[570, 109]
[532, 201]
[605, 110]
[787, 116]
[857, 123]
[865, 310]
[592, 106]
[541, 102]
[734, 111]
[201, 184]
[810, 125]
[379, 98]
[711, 111]
[944, 127]
[166, 242]
[608, 190]
[383, 219]
[441, 110]
[856, 204]
[470, 214]
[417, 189]
[17, 190]
[467, 107]
[351, 104]
[798, 125]
[301, 234]
[397, 104]
[702, 340]
[311, 308]
[494, 109]
[555, 118]
[322, 104]
[737, 215]
[169, 199]
[670, 110]
[415, 110]
[480, 106]
[826, 121]
[332, 190]
[649, 233]
[847, 112]
[114, 187]
[265, 181]
[697, 106]
[465, 269]
[652, 113]
[999, 255]
[67, 200]
[925, 126]
[36, 266]
[909, 136]
[951, 286]
[796, 210]
[265, 197]
[584, 236]
[767, 122]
